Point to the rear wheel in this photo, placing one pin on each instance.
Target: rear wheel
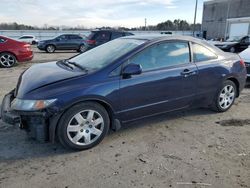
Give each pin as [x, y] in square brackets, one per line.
[225, 97]
[82, 48]
[232, 49]
[7, 60]
[50, 48]
[83, 126]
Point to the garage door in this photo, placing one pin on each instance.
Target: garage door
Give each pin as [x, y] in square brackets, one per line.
[238, 29]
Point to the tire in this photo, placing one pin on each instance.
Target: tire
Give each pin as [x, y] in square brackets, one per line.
[225, 97]
[83, 126]
[232, 49]
[33, 42]
[7, 60]
[50, 48]
[82, 48]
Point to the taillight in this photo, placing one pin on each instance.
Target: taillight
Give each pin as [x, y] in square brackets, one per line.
[27, 46]
[242, 63]
[91, 41]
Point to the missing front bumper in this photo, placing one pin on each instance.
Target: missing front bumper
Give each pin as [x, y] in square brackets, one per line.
[33, 122]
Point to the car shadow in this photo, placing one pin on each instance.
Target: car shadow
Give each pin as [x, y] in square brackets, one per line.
[15, 144]
[148, 121]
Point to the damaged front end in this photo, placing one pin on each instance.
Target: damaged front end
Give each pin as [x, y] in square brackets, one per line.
[39, 123]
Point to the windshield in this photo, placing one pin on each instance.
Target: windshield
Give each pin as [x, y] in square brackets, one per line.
[234, 39]
[105, 54]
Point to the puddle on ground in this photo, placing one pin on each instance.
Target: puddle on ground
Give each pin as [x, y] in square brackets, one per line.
[234, 122]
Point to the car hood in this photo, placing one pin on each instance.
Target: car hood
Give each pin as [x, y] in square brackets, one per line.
[224, 43]
[41, 75]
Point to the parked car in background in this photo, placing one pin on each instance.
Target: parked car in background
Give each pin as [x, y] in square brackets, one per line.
[12, 51]
[30, 39]
[63, 42]
[233, 45]
[81, 98]
[245, 55]
[99, 37]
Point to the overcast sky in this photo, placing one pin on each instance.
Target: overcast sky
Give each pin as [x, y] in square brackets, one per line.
[97, 13]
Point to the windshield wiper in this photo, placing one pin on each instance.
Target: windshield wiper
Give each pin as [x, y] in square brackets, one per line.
[65, 64]
[77, 65]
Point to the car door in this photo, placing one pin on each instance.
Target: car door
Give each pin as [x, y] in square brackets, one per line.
[74, 42]
[62, 42]
[244, 43]
[209, 70]
[102, 37]
[168, 81]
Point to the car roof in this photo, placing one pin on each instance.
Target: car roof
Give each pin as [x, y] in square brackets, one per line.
[27, 36]
[109, 30]
[156, 37]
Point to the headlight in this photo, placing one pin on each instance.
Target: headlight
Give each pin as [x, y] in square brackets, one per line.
[224, 46]
[30, 105]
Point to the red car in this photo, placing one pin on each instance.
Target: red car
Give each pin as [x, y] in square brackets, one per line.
[12, 51]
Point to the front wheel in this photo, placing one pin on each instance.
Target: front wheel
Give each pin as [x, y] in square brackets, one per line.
[225, 97]
[83, 126]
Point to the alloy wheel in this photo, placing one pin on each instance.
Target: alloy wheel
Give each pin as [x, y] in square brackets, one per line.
[226, 97]
[50, 49]
[82, 48]
[7, 60]
[85, 127]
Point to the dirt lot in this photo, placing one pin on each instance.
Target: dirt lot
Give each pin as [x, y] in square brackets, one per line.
[198, 148]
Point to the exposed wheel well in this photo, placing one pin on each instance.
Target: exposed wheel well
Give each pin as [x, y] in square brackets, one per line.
[236, 82]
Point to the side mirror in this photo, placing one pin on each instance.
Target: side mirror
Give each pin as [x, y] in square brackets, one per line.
[131, 69]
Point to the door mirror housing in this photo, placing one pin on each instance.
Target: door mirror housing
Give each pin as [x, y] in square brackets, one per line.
[132, 69]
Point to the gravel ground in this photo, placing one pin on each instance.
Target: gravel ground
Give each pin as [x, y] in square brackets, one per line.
[195, 148]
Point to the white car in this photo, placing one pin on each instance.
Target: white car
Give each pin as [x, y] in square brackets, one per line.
[245, 55]
[28, 39]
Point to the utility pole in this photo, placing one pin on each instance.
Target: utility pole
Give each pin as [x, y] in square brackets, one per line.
[145, 24]
[195, 12]
[228, 11]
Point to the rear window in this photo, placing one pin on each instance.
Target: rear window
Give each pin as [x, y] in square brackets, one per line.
[102, 36]
[202, 53]
[91, 35]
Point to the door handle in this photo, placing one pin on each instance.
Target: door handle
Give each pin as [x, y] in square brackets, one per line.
[187, 72]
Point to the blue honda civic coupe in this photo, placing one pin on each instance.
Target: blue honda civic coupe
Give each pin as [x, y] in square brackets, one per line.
[80, 99]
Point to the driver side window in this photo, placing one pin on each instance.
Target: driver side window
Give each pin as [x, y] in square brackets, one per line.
[163, 55]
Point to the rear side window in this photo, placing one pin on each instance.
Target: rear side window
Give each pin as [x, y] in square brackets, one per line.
[163, 55]
[127, 34]
[26, 37]
[116, 35]
[62, 37]
[2, 40]
[75, 37]
[202, 53]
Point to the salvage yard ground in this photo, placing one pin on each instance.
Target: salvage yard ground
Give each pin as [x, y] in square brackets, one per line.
[196, 148]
